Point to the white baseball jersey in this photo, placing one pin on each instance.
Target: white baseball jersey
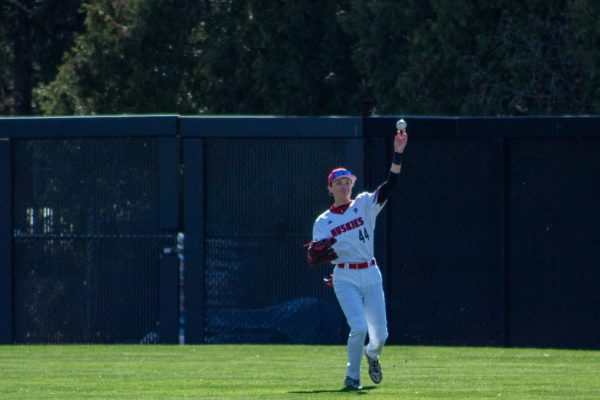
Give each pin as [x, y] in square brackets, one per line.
[353, 229]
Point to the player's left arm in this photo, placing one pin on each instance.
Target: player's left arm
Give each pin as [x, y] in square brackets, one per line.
[385, 189]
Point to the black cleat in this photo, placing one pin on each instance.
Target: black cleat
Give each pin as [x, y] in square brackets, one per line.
[352, 384]
[374, 368]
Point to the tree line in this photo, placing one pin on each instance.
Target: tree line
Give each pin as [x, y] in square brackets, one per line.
[284, 57]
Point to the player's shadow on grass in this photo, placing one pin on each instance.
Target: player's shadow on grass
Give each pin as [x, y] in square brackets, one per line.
[362, 391]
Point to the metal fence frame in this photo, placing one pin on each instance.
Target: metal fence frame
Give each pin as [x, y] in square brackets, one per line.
[187, 133]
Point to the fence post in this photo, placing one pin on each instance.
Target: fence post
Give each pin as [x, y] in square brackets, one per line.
[505, 245]
[6, 306]
[194, 276]
[168, 220]
[168, 167]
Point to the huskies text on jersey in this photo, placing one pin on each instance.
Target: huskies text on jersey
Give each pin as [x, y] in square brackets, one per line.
[355, 223]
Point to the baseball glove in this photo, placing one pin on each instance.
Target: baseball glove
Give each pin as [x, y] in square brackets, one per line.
[320, 251]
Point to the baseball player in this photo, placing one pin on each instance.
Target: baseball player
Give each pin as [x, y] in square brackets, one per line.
[343, 235]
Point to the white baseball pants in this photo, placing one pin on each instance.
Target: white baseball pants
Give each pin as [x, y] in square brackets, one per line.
[360, 294]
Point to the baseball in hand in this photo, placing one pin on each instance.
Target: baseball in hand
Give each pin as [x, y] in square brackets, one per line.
[401, 125]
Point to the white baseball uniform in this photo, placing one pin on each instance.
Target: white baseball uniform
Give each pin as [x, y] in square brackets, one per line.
[356, 277]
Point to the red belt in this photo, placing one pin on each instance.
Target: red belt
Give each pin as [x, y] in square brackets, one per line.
[358, 266]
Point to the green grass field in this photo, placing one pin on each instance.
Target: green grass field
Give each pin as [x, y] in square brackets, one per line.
[292, 372]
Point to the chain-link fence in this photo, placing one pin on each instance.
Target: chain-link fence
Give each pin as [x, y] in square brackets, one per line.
[86, 240]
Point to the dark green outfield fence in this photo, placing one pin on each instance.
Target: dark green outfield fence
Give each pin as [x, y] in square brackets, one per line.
[491, 238]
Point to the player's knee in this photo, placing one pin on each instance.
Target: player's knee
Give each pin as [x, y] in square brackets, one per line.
[380, 336]
[383, 337]
[359, 330]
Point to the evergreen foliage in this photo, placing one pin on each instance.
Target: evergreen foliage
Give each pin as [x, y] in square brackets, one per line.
[351, 57]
